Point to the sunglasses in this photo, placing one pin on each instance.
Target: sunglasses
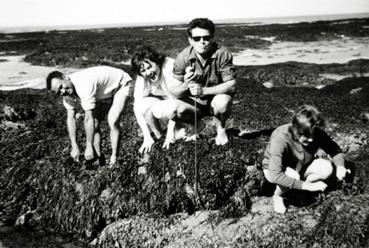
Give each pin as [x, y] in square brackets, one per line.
[198, 38]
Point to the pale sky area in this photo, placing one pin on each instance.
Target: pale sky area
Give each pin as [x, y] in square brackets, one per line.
[16, 13]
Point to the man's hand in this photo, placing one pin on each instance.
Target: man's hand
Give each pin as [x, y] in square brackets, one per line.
[75, 153]
[316, 186]
[195, 89]
[89, 153]
[146, 145]
[341, 172]
[190, 75]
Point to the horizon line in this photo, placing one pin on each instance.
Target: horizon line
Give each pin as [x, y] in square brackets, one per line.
[39, 28]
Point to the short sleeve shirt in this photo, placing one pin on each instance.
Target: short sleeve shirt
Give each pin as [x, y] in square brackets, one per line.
[96, 84]
[218, 69]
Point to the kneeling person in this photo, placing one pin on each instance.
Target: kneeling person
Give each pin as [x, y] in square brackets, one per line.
[289, 160]
[101, 91]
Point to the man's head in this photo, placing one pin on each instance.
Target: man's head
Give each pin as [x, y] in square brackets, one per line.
[305, 119]
[200, 34]
[58, 83]
[147, 63]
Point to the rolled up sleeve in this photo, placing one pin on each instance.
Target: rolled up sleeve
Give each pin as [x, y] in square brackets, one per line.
[179, 67]
[226, 68]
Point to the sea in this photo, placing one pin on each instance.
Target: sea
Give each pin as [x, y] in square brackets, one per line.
[243, 21]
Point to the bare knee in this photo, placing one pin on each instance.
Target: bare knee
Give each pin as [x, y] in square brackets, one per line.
[292, 173]
[142, 106]
[221, 103]
[164, 109]
[113, 120]
[267, 175]
[319, 169]
[325, 168]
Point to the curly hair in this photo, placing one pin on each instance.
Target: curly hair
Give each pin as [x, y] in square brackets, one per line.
[203, 23]
[144, 53]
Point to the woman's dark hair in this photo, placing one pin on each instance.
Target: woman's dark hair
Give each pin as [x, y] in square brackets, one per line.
[305, 119]
[144, 53]
[203, 23]
[51, 76]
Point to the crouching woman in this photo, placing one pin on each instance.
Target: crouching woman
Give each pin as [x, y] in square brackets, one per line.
[289, 159]
[152, 98]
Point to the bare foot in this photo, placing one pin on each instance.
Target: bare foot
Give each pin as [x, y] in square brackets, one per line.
[113, 161]
[222, 137]
[279, 206]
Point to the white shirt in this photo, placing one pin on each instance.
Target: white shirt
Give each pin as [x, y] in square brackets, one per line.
[95, 84]
[144, 87]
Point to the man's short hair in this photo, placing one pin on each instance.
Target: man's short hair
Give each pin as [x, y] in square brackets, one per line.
[203, 23]
[144, 53]
[51, 76]
[307, 114]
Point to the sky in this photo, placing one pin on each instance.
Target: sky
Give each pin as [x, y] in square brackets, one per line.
[17, 13]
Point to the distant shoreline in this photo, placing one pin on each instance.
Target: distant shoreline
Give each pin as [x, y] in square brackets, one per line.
[246, 21]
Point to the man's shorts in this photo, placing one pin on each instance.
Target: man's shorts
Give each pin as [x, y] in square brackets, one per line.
[203, 104]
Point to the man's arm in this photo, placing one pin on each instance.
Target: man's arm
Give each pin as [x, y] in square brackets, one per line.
[333, 149]
[72, 131]
[223, 88]
[177, 85]
[90, 130]
[276, 168]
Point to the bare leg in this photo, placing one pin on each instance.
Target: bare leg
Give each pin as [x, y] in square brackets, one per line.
[221, 105]
[97, 138]
[278, 202]
[147, 107]
[115, 112]
[100, 113]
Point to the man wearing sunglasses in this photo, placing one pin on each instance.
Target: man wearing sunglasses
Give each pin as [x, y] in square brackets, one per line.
[101, 91]
[206, 78]
[290, 159]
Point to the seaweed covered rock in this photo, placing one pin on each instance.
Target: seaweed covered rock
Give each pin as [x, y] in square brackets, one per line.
[11, 114]
[37, 176]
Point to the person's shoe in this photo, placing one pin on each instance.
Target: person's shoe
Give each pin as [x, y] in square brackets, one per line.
[279, 206]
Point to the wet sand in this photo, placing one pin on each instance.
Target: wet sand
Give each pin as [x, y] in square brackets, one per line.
[340, 51]
[17, 74]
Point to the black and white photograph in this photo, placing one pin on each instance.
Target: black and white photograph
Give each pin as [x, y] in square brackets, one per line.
[184, 124]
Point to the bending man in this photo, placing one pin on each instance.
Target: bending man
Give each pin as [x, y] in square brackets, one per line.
[100, 90]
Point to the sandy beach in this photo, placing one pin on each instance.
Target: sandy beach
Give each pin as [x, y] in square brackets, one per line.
[340, 51]
[16, 74]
